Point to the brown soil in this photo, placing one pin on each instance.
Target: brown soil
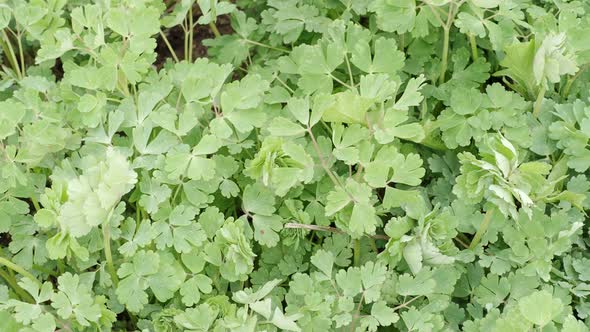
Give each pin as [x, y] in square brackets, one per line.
[175, 36]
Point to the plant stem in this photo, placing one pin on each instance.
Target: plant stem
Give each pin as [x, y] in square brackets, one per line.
[357, 252]
[170, 49]
[461, 242]
[18, 269]
[571, 80]
[539, 101]
[35, 203]
[21, 54]
[214, 29]
[445, 55]
[341, 82]
[190, 34]
[358, 311]
[265, 45]
[482, 228]
[349, 70]
[19, 291]
[323, 161]
[453, 9]
[473, 44]
[405, 304]
[106, 238]
[186, 33]
[8, 50]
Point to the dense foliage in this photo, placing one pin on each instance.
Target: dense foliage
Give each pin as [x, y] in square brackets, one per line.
[337, 165]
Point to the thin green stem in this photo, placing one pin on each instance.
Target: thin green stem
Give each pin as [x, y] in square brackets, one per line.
[436, 15]
[539, 101]
[265, 45]
[482, 228]
[453, 9]
[9, 51]
[106, 238]
[18, 269]
[341, 82]
[284, 84]
[35, 203]
[170, 49]
[21, 54]
[357, 252]
[349, 70]
[405, 304]
[176, 192]
[18, 290]
[444, 56]
[571, 80]
[334, 179]
[214, 29]
[186, 33]
[190, 34]
[465, 245]
[358, 311]
[473, 44]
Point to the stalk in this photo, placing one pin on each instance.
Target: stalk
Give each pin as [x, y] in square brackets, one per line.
[349, 70]
[21, 54]
[539, 101]
[8, 50]
[571, 80]
[445, 55]
[482, 228]
[473, 44]
[357, 252]
[106, 238]
[35, 203]
[265, 45]
[170, 49]
[19, 291]
[190, 34]
[316, 147]
[214, 29]
[186, 33]
[18, 269]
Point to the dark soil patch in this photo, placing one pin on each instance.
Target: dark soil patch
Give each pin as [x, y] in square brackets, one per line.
[58, 70]
[175, 36]
[5, 240]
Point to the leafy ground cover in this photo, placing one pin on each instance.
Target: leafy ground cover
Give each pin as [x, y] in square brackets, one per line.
[294, 165]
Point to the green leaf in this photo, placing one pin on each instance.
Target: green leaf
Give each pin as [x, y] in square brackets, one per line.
[421, 284]
[324, 261]
[74, 301]
[259, 200]
[470, 24]
[384, 314]
[396, 16]
[349, 107]
[266, 228]
[10, 119]
[280, 126]
[540, 307]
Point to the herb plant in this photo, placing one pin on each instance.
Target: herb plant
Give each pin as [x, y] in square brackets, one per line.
[341, 165]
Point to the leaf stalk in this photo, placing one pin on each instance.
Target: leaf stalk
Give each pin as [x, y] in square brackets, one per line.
[482, 228]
